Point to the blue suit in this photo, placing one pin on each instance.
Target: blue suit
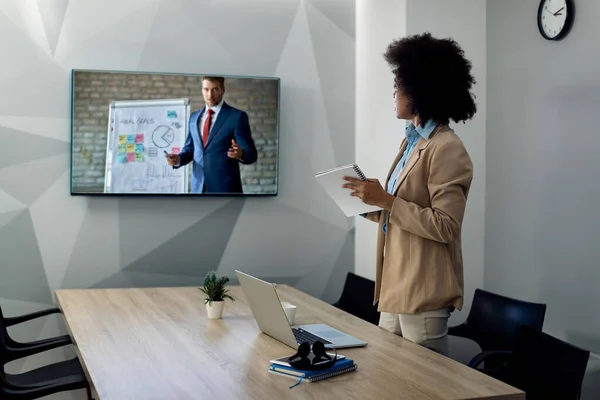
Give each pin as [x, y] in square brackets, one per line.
[212, 170]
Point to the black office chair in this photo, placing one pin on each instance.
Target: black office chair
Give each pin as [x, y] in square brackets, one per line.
[357, 298]
[544, 367]
[58, 377]
[494, 322]
[13, 350]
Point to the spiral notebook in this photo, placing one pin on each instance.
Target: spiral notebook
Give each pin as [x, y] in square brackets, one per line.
[341, 367]
[332, 181]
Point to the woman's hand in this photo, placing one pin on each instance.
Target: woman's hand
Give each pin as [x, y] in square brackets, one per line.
[370, 192]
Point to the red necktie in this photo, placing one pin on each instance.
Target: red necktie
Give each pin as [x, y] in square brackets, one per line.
[206, 127]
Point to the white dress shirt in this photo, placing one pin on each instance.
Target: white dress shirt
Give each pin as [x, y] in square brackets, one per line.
[202, 120]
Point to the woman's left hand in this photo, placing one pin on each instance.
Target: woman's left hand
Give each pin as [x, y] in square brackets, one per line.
[370, 192]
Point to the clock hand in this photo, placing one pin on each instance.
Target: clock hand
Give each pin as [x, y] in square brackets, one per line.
[558, 12]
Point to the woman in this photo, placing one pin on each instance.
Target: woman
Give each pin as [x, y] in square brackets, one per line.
[419, 269]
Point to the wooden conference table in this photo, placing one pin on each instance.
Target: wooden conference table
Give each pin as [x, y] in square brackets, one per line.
[157, 343]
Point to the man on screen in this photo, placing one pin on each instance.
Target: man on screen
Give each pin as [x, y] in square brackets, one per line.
[219, 139]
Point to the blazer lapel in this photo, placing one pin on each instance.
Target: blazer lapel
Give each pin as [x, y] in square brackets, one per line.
[414, 157]
[221, 118]
[398, 157]
[194, 130]
[410, 163]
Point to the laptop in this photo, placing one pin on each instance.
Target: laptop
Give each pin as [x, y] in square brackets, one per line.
[271, 319]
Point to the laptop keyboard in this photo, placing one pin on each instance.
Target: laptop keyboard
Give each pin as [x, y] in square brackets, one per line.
[303, 336]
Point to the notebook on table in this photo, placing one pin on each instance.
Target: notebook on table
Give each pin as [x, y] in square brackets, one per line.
[341, 366]
[332, 181]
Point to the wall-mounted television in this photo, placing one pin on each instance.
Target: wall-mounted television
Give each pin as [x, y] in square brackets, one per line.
[148, 133]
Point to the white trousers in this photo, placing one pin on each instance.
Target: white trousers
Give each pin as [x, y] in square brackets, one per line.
[429, 328]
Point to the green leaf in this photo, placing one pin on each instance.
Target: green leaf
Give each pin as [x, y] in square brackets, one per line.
[214, 287]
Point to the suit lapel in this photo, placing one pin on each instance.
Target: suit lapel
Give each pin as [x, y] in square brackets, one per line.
[221, 118]
[410, 163]
[194, 130]
[414, 156]
[398, 157]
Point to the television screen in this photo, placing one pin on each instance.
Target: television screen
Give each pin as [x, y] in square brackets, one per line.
[141, 133]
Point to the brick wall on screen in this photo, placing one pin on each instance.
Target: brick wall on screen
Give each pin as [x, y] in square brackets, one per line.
[93, 92]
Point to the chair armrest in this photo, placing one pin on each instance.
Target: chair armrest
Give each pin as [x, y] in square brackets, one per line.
[495, 355]
[28, 349]
[28, 317]
[62, 385]
[58, 340]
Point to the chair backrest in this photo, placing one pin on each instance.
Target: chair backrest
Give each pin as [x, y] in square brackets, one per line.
[4, 342]
[357, 298]
[494, 320]
[7, 344]
[545, 367]
[3, 328]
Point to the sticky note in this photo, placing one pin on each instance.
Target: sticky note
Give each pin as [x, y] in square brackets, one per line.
[139, 147]
[122, 149]
[122, 139]
[175, 150]
[122, 158]
[130, 148]
[139, 157]
[130, 138]
[139, 138]
[130, 157]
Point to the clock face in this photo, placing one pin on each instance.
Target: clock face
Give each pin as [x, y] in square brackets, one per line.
[553, 17]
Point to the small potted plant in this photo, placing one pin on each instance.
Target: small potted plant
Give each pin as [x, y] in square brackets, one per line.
[216, 292]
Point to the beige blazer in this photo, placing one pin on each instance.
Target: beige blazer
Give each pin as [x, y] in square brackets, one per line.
[419, 261]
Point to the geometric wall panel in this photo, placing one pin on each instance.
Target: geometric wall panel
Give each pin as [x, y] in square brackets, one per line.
[327, 277]
[19, 147]
[26, 182]
[303, 232]
[6, 217]
[196, 250]
[53, 128]
[95, 254]
[145, 226]
[337, 276]
[58, 231]
[266, 23]
[52, 13]
[23, 274]
[9, 203]
[338, 96]
[342, 13]
[127, 22]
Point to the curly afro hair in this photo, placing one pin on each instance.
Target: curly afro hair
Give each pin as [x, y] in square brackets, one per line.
[434, 76]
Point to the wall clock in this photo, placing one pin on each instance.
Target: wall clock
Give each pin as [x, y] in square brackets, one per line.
[555, 18]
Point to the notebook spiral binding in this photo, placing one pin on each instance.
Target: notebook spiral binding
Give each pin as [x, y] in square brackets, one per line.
[333, 373]
[359, 172]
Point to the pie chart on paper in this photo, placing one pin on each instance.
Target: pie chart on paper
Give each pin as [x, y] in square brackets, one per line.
[163, 136]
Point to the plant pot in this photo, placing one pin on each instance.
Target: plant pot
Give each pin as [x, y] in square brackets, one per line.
[214, 309]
